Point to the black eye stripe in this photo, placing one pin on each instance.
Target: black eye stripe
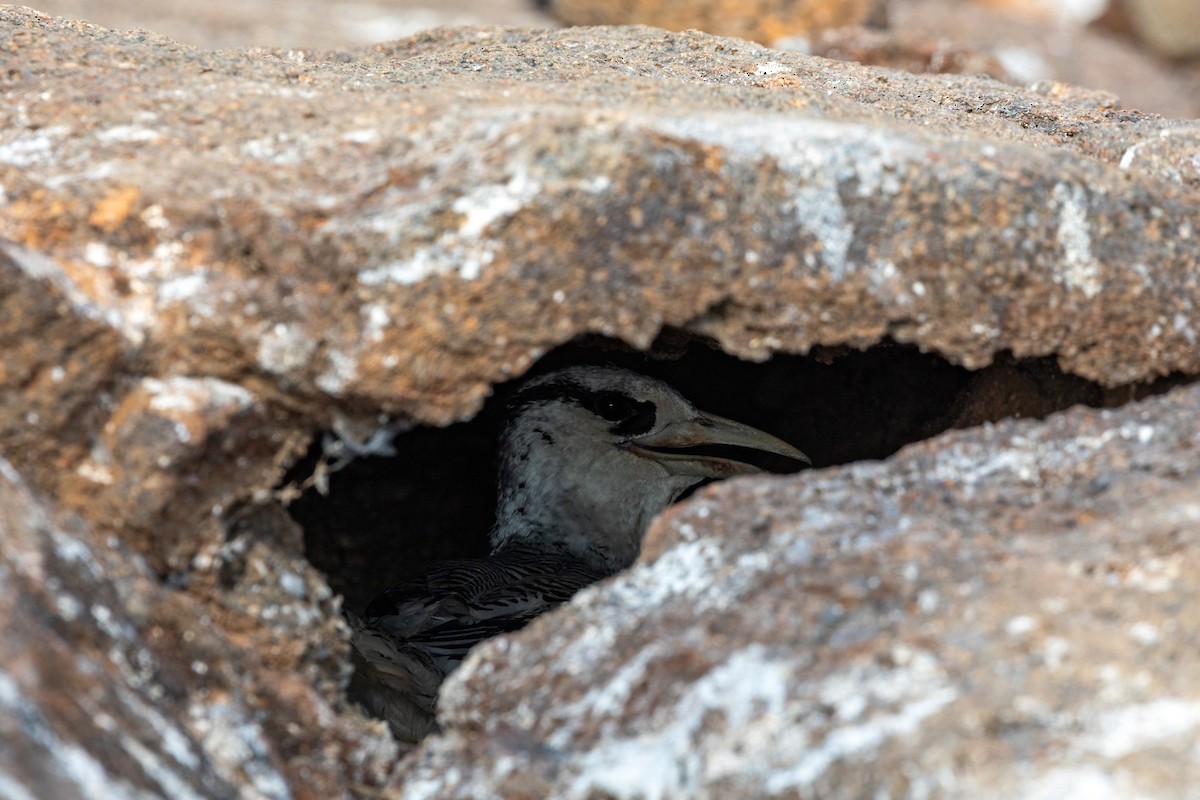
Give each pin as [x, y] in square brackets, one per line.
[637, 423]
[612, 406]
[558, 389]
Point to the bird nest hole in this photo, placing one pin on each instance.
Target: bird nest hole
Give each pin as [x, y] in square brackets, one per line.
[381, 519]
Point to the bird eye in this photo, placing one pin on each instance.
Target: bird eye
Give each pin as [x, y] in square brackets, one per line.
[613, 407]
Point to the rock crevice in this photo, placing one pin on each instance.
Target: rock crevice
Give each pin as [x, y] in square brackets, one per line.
[209, 256]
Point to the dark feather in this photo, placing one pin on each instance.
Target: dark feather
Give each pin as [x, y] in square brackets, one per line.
[412, 636]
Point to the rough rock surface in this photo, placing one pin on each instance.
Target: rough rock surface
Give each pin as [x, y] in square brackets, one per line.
[1005, 612]
[298, 237]
[114, 686]
[211, 255]
[1034, 48]
[758, 20]
[292, 23]
[903, 50]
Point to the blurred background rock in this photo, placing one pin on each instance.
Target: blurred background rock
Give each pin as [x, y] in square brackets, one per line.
[1146, 52]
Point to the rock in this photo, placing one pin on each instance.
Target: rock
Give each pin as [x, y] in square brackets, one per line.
[113, 686]
[293, 23]
[1038, 41]
[212, 257]
[1170, 27]
[909, 51]
[762, 21]
[133, 453]
[992, 614]
[1054, 12]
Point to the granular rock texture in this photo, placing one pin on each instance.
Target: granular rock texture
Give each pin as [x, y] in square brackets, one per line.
[1036, 47]
[293, 23]
[209, 256]
[759, 20]
[1005, 612]
[295, 237]
[112, 686]
[903, 50]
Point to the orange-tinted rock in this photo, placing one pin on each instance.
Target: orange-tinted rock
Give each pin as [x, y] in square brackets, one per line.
[212, 255]
[112, 685]
[903, 50]
[60, 362]
[1055, 44]
[759, 20]
[1003, 612]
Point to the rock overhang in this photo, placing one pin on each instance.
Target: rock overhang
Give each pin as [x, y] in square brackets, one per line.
[235, 249]
[407, 187]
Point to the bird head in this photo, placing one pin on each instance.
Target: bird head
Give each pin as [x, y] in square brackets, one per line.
[589, 455]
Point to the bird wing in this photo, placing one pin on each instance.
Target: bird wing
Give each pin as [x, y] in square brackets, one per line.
[412, 636]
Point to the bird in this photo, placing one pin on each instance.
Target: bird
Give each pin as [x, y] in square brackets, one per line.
[588, 456]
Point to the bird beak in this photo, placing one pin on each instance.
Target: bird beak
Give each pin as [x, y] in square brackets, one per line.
[669, 447]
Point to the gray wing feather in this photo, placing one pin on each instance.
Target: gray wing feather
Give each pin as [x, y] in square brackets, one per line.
[413, 636]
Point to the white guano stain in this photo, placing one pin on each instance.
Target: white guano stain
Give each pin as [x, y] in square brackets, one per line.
[1080, 268]
[342, 369]
[236, 744]
[465, 250]
[131, 316]
[98, 254]
[606, 699]
[853, 740]
[769, 735]
[284, 348]
[155, 217]
[281, 148]
[181, 394]
[174, 785]
[819, 210]
[360, 136]
[487, 204]
[1124, 731]
[1020, 625]
[1065, 783]
[688, 570]
[376, 321]
[973, 472]
[73, 764]
[10, 789]
[405, 272]
[1097, 756]
[769, 68]
[96, 473]
[185, 287]
[76, 552]
[40, 267]
[749, 689]
[825, 159]
[128, 133]
[28, 149]
[1144, 633]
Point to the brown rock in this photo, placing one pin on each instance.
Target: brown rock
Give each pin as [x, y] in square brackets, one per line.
[1001, 613]
[758, 20]
[213, 255]
[904, 50]
[1055, 45]
[217, 24]
[59, 361]
[113, 686]
[1170, 27]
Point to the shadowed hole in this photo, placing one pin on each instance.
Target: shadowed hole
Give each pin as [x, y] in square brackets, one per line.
[387, 518]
